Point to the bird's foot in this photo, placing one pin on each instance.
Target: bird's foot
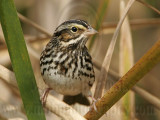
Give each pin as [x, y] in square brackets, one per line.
[93, 105]
[44, 96]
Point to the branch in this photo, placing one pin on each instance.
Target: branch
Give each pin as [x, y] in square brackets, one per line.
[115, 76]
[33, 24]
[120, 88]
[62, 109]
[53, 104]
[9, 112]
[147, 96]
[140, 91]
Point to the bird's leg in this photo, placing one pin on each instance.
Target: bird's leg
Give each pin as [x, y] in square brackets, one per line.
[44, 96]
[93, 103]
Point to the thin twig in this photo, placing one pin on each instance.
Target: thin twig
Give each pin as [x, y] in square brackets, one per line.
[120, 88]
[134, 22]
[147, 96]
[149, 6]
[62, 109]
[33, 52]
[140, 91]
[106, 63]
[5, 60]
[53, 104]
[96, 65]
[32, 39]
[33, 24]
[9, 77]
[9, 112]
[1, 35]
[109, 28]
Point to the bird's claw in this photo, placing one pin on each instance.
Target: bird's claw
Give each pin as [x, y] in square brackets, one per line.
[94, 104]
[43, 98]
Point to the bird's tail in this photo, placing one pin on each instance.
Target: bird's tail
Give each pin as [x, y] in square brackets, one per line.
[81, 99]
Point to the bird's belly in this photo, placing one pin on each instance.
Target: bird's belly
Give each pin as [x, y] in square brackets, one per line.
[69, 74]
[62, 84]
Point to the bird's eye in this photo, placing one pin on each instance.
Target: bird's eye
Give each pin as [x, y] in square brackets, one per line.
[74, 29]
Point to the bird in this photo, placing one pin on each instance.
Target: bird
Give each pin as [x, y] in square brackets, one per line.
[65, 63]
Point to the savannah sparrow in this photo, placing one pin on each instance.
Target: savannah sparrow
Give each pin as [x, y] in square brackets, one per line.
[66, 65]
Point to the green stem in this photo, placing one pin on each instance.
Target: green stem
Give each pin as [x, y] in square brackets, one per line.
[20, 60]
[142, 67]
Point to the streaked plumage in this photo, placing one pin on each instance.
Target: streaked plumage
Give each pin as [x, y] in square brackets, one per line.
[66, 65]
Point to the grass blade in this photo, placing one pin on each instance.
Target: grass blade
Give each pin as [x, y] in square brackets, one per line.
[53, 104]
[155, 101]
[106, 62]
[142, 67]
[20, 60]
[125, 63]
[101, 12]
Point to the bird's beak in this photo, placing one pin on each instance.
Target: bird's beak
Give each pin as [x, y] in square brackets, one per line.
[90, 31]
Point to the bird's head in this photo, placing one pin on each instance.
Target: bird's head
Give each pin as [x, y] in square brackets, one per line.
[73, 33]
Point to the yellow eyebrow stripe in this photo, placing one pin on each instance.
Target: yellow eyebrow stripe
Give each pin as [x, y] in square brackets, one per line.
[79, 26]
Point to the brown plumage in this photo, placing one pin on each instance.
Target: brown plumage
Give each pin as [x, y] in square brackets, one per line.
[66, 65]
